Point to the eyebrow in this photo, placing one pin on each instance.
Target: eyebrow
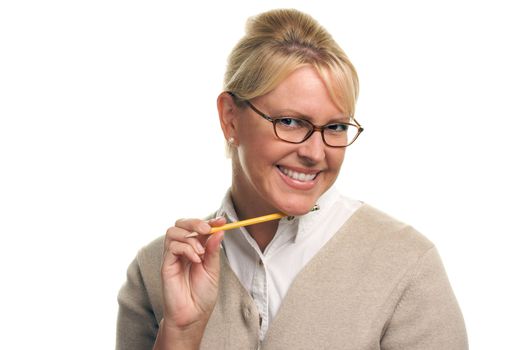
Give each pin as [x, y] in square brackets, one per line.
[296, 114]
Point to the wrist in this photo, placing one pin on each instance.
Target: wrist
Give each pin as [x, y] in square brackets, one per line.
[174, 337]
[189, 329]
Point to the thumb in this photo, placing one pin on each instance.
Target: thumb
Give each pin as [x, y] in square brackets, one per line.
[211, 259]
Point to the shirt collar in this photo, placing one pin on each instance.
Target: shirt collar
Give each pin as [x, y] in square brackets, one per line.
[308, 221]
[305, 222]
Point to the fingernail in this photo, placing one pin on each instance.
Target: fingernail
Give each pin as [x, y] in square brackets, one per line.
[204, 228]
[200, 248]
[217, 218]
[192, 234]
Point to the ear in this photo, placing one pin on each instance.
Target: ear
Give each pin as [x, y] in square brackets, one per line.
[228, 113]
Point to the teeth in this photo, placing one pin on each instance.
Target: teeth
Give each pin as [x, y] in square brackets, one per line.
[297, 176]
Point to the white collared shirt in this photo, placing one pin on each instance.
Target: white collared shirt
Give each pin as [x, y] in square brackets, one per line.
[267, 275]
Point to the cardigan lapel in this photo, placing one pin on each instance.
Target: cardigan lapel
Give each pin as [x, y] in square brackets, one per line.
[317, 291]
[234, 323]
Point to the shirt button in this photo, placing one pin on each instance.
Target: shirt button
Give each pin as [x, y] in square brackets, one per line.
[260, 262]
[247, 313]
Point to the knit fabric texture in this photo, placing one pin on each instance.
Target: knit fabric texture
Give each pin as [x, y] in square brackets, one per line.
[377, 284]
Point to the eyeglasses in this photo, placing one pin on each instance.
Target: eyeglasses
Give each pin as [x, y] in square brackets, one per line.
[297, 130]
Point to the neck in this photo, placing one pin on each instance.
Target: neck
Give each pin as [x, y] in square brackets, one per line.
[249, 205]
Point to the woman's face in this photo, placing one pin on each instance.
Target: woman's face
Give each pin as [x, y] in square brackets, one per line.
[273, 175]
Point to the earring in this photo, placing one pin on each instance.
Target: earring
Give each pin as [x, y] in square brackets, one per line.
[230, 140]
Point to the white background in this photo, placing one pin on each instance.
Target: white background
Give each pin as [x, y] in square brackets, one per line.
[109, 133]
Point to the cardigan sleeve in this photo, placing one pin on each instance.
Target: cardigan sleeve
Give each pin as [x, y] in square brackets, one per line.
[427, 315]
[136, 322]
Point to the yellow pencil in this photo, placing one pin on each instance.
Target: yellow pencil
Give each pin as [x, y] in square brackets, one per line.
[247, 222]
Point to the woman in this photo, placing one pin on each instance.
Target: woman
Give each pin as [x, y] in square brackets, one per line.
[343, 276]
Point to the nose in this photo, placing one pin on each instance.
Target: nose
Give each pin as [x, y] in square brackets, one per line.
[313, 150]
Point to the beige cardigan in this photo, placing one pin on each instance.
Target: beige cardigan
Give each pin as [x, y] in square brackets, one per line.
[377, 284]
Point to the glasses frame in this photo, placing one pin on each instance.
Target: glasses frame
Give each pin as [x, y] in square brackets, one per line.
[314, 127]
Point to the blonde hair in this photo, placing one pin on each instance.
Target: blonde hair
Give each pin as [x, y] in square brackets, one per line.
[280, 41]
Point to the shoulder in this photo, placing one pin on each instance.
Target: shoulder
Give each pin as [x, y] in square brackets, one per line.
[374, 242]
[419, 309]
[381, 230]
[148, 263]
[149, 260]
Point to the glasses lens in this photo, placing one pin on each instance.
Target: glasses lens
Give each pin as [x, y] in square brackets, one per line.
[292, 129]
[296, 130]
[340, 134]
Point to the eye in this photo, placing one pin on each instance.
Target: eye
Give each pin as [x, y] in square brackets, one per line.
[337, 128]
[290, 122]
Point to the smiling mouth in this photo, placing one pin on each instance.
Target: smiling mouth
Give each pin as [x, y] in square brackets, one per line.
[295, 175]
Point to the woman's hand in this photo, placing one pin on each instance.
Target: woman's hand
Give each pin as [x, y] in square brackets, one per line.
[190, 275]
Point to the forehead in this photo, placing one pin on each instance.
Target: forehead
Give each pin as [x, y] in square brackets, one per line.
[302, 92]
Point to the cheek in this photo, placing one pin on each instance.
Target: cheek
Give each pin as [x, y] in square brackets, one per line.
[256, 153]
[261, 148]
[336, 159]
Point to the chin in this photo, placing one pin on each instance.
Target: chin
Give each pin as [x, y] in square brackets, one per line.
[296, 207]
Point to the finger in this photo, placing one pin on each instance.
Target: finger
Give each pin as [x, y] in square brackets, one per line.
[211, 259]
[173, 233]
[194, 225]
[179, 249]
[192, 234]
[179, 234]
[218, 221]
